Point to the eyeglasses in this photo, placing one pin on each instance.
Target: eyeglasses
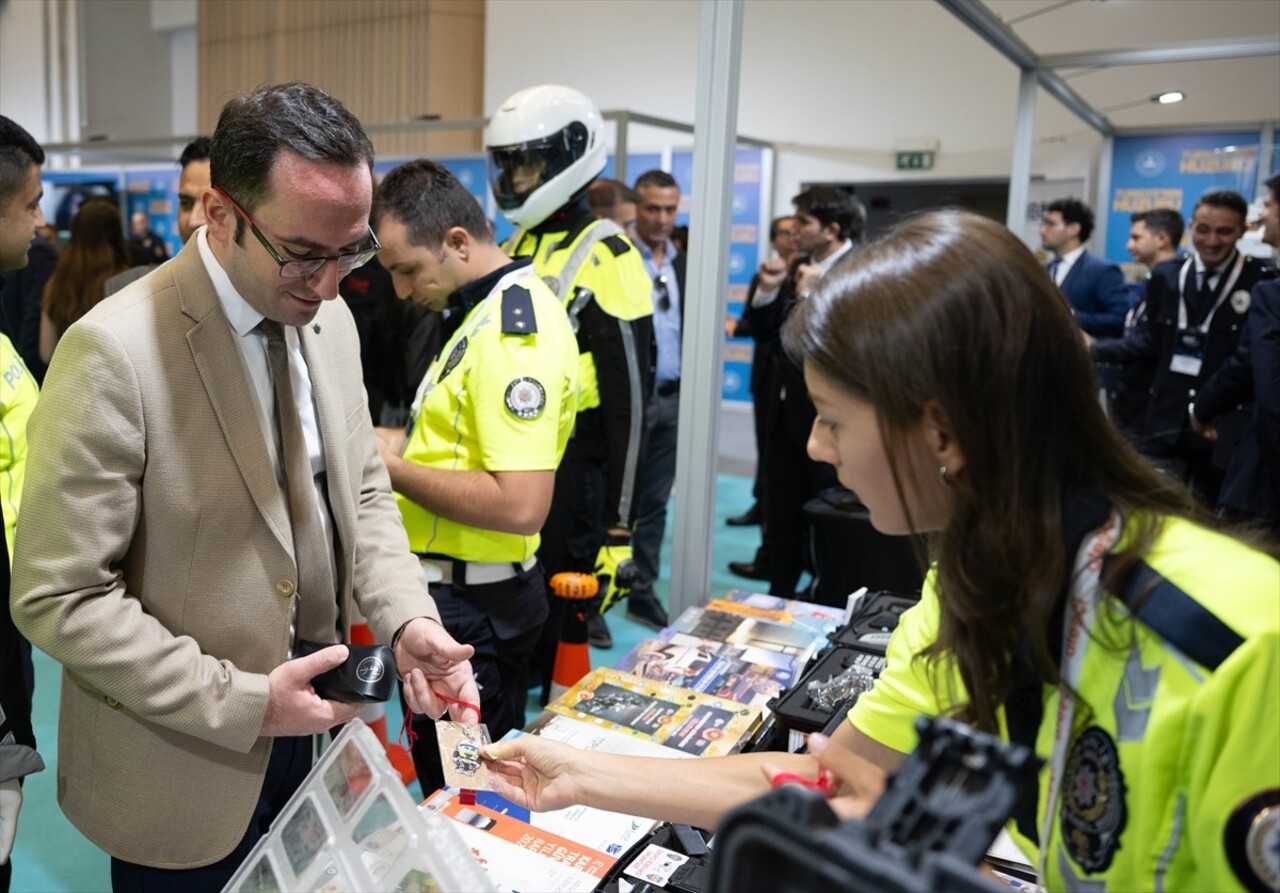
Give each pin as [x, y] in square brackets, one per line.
[308, 266]
[662, 293]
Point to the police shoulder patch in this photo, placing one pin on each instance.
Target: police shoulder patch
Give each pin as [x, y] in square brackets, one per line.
[526, 398]
[1093, 813]
[455, 357]
[517, 311]
[617, 245]
[1252, 841]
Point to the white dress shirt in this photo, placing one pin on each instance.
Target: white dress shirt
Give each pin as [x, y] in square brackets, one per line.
[253, 351]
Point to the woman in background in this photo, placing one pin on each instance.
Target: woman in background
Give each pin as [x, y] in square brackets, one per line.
[96, 252]
[1077, 601]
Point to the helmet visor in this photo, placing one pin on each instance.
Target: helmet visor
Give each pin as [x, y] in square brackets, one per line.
[515, 172]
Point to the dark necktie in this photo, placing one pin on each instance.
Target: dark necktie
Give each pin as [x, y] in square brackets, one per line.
[1204, 300]
[315, 612]
[1053, 269]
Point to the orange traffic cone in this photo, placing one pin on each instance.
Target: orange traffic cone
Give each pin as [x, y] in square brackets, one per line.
[573, 657]
[375, 717]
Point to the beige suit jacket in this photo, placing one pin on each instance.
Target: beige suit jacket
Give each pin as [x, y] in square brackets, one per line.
[154, 549]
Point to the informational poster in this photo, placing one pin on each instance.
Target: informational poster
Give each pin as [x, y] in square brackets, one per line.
[744, 252]
[154, 192]
[65, 190]
[1173, 171]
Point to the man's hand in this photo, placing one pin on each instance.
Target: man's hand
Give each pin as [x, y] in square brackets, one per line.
[615, 569]
[10, 806]
[293, 707]
[429, 658]
[393, 438]
[807, 279]
[390, 443]
[534, 772]
[772, 272]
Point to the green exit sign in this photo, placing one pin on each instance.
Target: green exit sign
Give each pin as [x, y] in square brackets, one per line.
[913, 161]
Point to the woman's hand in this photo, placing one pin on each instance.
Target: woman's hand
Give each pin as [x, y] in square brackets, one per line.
[860, 782]
[534, 772]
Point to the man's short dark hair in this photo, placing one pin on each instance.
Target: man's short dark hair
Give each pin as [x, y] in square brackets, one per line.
[1162, 220]
[775, 224]
[252, 130]
[829, 205]
[605, 194]
[1074, 211]
[656, 178]
[196, 150]
[19, 152]
[1226, 198]
[429, 201]
[1274, 185]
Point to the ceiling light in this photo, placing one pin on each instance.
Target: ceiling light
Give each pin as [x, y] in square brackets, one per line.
[1169, 98]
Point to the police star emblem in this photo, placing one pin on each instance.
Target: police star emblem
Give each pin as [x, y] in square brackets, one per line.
[526, 398]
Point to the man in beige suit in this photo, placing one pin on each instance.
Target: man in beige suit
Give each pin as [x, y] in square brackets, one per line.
[156, 557]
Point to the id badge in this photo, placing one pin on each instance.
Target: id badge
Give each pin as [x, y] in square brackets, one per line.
[1188, 352]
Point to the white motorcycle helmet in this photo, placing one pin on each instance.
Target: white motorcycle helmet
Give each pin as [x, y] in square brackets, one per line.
[545, 144]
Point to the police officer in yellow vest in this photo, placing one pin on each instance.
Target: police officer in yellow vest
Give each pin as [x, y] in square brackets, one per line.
[546, 145]
[475, 473]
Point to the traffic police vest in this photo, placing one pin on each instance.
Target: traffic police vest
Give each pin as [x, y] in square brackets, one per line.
[502, 396]
[610, 274]
[18, 396]
[1170, 777]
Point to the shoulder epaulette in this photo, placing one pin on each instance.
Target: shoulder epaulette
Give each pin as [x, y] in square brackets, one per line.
[1177, 617]
[618, 245]
[517, 311]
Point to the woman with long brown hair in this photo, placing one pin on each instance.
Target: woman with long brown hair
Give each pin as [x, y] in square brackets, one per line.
[1076, 601]
[96, 252]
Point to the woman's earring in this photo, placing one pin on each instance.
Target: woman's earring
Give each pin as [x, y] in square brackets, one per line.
[944, 476]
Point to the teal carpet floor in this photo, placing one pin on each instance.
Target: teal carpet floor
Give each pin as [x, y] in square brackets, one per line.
[51, 855]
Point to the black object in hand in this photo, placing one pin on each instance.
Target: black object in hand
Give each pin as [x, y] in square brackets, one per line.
[366, 677]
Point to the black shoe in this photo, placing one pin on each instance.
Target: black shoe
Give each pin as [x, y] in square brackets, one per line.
[598, 632]
[749, 569]
[646, 611]
[747, 519]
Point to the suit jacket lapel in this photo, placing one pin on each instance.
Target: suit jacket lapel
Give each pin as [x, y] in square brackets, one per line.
[217, 360]
[1073, 274]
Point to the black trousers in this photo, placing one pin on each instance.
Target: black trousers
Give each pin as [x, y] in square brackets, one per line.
[571, 539]
[502, 621]
[290, 762]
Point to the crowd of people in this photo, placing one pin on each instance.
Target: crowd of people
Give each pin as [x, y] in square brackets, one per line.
[207, 491]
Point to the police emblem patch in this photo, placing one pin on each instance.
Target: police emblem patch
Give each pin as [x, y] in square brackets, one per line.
[526, 398]
[1093, 811]
[1240, 301]
[455, 357]
[1252, 841]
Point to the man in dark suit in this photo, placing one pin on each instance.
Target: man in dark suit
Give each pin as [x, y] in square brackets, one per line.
[1197, 310]
[829, 224]
[1093, 285]
[1154, 237]
[1251, 486]
[782, 240]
